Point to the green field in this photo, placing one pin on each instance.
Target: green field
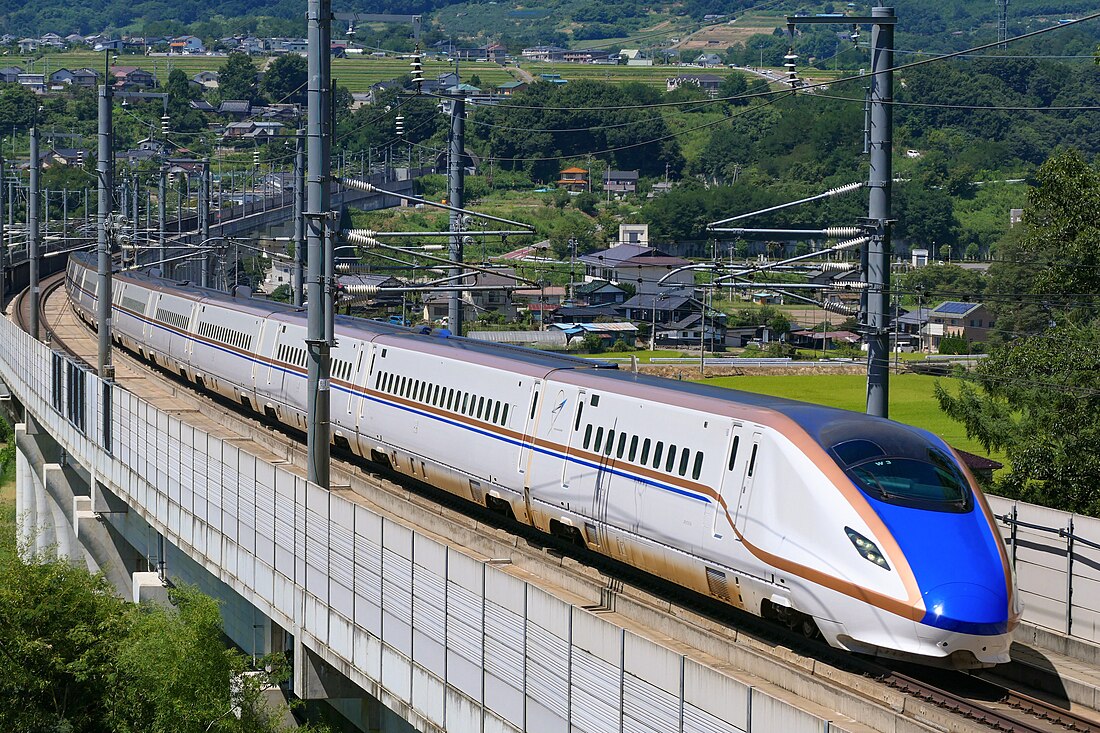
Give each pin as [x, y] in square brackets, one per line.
[357, 74]
[912, 400]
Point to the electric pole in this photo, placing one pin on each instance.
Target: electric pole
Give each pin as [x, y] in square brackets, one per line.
[319, 19]
[204, 222]
[3, 241]
[455, 185]
[162, 214]
[878, 211]
[297, 277]
[33, 238]
[104, 173]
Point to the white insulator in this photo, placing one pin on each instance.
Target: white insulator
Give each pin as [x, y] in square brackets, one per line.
[840, 308]
[358, 236]
[852, 243]
[433, 247]
[844, 189]
[842, 232]
[364, 290]
[357, 184]
[834, 265]
[849, 285]
[343, 267]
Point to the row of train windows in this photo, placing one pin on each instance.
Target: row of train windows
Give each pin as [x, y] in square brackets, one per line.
[447, 398]
[226, 335]
[132, 304]
[166, 316]
[653, 453]
[341, 369]
[291, 355]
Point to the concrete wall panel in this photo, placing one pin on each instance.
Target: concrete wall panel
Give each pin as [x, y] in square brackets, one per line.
[465, 595]
[770, 714]
[711, 695]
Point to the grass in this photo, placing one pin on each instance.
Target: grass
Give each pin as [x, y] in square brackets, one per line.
[912, 400]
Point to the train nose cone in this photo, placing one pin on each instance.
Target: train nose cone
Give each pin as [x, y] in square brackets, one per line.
[968, 608]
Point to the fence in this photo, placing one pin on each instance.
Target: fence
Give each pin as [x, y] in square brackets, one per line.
[450, 639]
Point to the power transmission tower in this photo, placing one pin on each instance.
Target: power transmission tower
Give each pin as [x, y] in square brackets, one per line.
[1002, 23]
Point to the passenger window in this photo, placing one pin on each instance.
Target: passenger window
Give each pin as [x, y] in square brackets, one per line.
[671, 459]
[534, 404]
[580, 411]
[504, 417]
[658, 451]
[645, 452]
[435, 395]
[697, 469]
[587, 436]
[733, 452]
[633, 447]
[752, 460]
[610, 442]
[496, 411]
[599, 439]
[622, 446]
[480, 407]
[465, 402]
[685, 454]
[595, 400]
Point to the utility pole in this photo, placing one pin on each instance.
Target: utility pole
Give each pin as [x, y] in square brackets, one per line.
[32, 231]
[878, 211]
[319, 153]
[1002, 23]
[3, 241]
[162, 214]
[104, 173]
[204, 222]
[297, 276]
[455, 195]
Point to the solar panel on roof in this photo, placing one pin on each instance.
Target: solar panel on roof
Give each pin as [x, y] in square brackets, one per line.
[953, 307]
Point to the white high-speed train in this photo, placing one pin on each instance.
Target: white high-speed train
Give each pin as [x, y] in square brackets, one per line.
[872, 531]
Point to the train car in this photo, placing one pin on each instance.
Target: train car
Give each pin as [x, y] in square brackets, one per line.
[869, 532]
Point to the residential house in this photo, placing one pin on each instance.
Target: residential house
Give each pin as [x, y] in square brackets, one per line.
[381, 298]
[634, 234]
[574, 180]
[919, 257]
[599, 292]
[585, 56]
[822, 340]
[709, 83]
[842, 283]
[35, 82]
[206, 79]
[509, 88]
[691, 330]
[64, 156]
[970, 321]
[640, 266]
[553, 79]
[543, 53]
[10, 74]
[661, 311]
[709, 60]
[660, 187]
[620, 182]
[635, 57]
[586, 314]
[239, 108]
[29, 45]
[474, 302]
[75, 39]
[202, 106]
[131, 77]
[51, 40]
[910, 326]
[253, 129]
[541, 303]
[86, 78]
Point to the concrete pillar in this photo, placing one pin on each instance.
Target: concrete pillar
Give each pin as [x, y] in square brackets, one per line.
[44, 538]
[24, 494]
[62, 528]
[316, 679]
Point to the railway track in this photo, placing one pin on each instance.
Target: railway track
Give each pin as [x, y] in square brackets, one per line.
[954, 701]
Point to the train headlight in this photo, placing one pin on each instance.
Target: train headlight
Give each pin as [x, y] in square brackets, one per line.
[868, 549]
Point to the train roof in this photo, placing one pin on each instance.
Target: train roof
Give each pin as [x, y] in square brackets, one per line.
[367, 328]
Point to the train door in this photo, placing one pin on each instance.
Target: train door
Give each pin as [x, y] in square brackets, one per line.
[729, 489]
[525, 451]
[272, 376]
[573, 467]
[602, 490]
[741, 517]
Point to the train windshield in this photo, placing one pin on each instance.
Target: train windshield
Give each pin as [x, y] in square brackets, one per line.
[929, 481]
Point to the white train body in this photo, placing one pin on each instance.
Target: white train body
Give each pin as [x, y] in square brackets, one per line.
[764, 503]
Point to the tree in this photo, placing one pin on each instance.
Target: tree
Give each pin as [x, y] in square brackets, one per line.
[1037, 395]
[734, 85]
[237, 78]
[180, 92]
[17, 105]
[284, 81]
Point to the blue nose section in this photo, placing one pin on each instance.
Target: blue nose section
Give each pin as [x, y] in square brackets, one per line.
[968, 608]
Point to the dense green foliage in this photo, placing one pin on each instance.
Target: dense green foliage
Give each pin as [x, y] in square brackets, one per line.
[1037, 396]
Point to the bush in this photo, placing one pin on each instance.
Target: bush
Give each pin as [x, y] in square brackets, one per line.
[954, 345]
